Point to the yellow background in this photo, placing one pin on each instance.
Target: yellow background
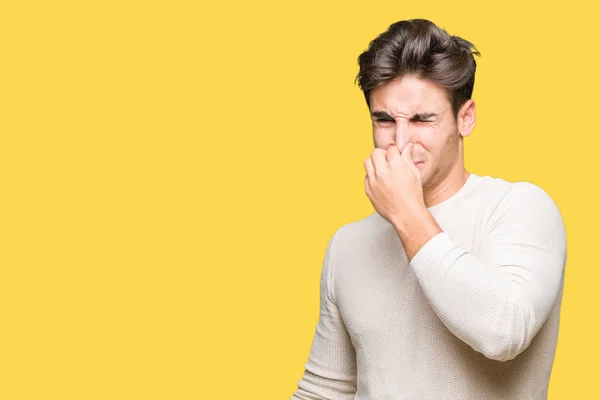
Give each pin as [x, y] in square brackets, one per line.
[171, 173]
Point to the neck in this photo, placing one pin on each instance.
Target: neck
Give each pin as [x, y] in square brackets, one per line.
[447, 187]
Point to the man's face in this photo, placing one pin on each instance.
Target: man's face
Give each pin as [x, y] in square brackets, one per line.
[413, 110]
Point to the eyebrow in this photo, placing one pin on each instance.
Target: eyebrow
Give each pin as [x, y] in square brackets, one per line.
[387, 117]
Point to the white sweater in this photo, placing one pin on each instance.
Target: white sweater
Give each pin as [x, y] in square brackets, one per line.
[473, 316]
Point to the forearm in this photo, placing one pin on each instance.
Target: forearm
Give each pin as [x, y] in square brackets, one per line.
[495, 302]
[480, 304]
[315, 387]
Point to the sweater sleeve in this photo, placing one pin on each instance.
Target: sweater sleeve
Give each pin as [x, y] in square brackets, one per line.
[498, 301]
[330, 372]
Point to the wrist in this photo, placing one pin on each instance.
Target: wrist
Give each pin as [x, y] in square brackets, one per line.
[415, 231]
[410, 221]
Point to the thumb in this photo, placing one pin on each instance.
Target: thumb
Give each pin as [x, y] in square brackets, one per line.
[407, 155]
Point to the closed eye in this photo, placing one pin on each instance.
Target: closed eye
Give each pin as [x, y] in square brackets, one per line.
[387, 120]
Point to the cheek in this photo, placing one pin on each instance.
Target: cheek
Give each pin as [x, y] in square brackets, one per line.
[428, 140]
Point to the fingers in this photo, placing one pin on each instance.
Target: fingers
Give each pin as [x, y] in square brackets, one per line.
[407, 156]
[380, 164]
[369, 168]
[380, 159]
[392, 154]
[369, 176]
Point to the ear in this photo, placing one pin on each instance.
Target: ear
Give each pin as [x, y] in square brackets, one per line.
[466, 118]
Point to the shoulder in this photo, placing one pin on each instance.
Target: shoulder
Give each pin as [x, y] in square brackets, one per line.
[355, 237]
[499, 195]
[529, 197]
[356, 231]
[526, 206]
[346, 245]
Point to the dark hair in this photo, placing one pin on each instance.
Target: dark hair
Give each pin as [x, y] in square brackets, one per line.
[419, 48]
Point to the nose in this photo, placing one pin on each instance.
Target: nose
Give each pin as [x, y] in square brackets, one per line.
[403, 134]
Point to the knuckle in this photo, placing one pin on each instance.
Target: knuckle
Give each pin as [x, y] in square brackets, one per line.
[381, 172]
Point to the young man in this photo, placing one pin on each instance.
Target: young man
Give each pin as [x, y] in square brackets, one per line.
[452, 288]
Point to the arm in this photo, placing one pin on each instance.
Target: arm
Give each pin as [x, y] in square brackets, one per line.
[330, 372]
[497, 302]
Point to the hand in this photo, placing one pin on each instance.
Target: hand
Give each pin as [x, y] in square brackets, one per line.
[393, 184]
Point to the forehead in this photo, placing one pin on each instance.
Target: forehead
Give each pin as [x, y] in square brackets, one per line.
[408, 95]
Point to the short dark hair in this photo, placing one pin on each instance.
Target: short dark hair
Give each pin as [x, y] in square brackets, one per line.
[419, 48]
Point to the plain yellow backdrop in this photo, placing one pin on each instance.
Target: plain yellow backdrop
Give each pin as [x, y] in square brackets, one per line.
[171, 173]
